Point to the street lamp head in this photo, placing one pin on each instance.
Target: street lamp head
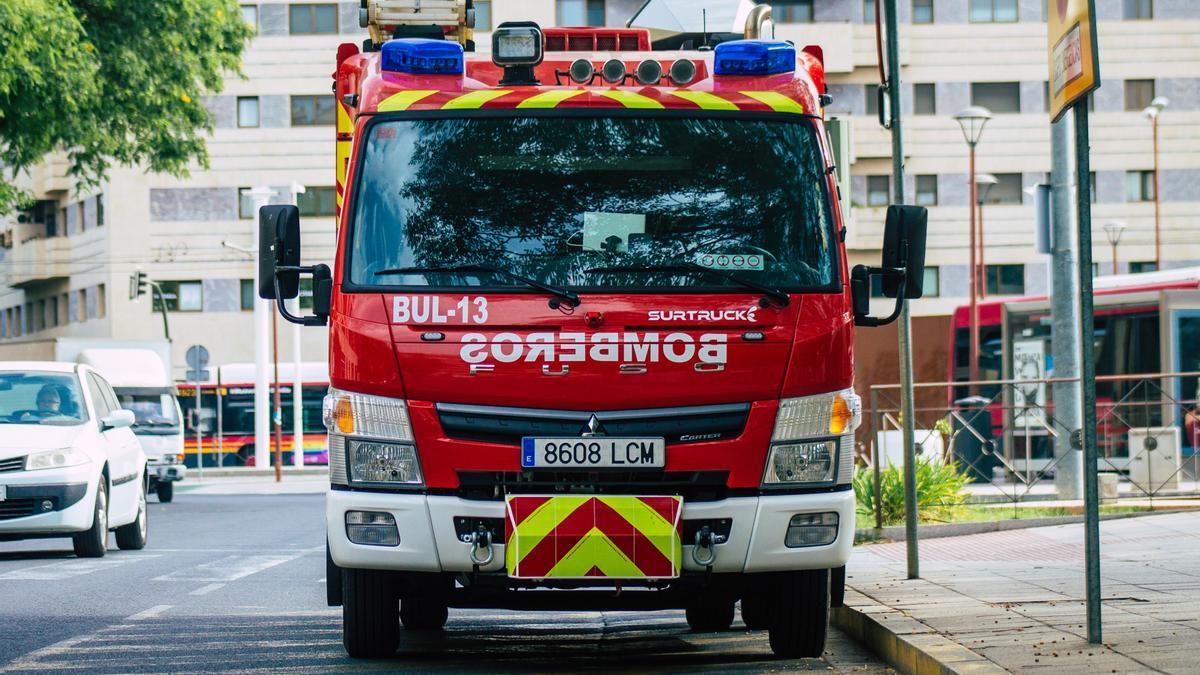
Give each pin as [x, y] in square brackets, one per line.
[972, 120]
[1156, 106]
[983, 185]
[1113, 229]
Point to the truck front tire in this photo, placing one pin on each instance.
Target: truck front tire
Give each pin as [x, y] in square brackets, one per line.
[799, 615]
[370, 613]
[710, 613]
[419, 613]
[165, 490]
[837, 586]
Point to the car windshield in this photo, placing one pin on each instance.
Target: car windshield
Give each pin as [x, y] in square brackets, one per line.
[594, 202]
[150, 410]
[34, 397]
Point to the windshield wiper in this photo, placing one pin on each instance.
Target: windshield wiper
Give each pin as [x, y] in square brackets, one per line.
[561, 294]
[696, 269]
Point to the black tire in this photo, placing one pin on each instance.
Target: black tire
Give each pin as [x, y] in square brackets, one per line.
[710, 614]
[93, 543]
[370, 614]
[165, 491]
[837, 586]
[423, 613]
[799, 614]
[333, 580]
[132, 537]
[756, 611]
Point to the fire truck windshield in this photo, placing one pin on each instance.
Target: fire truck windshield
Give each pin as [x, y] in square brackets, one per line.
[552, 197]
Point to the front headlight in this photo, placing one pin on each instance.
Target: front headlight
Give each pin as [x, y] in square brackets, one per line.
[389, 463]
[353, 414]
[801, 463]
[805, 442]
[56, 459]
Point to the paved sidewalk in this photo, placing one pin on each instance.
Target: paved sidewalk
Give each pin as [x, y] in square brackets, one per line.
[1015, 598]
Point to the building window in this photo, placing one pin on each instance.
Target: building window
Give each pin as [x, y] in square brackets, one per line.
[312, 19]
[1009, 189]
[306, 294]
[101, 302]
[871, 97]
[792, 11]
[247, 109]
[1091, 182]
[1139, 186]
[483, 15]
[1139, 9]
[999, 97]
[931, 288]
[100, 210]
[310, 111]
[879, 190]
[1005, 279]
[1138, 94]
[245, 203]
[922, 11]
[250, 14]
[924, 99]
[580, 12]
[993, 11]
[1143, 266]
[868, 11]
[181, 296]
[248, 294]
[317, 201]
[927, 190]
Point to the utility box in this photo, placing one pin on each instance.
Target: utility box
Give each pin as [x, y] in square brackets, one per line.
[1154, 458]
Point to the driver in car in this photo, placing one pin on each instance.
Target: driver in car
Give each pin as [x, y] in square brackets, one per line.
[49, 403]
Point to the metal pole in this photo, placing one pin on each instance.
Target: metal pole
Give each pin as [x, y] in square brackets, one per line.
[297, 394]
[1114, 256]
[199, 440]
[1157, 218]
[982, 250]
[220, 435]
[906, 375]
[263, 310]
[1091, 511]
[1064, 314]
[974, 286]
[277, 416]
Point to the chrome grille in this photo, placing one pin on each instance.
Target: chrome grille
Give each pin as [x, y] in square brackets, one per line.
[506, 426]
[12, 464]
[845, 472]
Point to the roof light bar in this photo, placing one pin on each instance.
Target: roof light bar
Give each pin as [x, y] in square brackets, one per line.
[754, 57]
[419, 56]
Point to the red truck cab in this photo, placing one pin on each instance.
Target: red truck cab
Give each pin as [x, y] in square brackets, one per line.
[591, 333]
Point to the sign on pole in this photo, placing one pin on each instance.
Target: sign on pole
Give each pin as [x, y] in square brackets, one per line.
[1074, 54]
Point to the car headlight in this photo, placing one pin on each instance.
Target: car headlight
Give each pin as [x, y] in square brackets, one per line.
[379, 417]
[804, 444]
[56, 459]
[388, 463]
[801, 463]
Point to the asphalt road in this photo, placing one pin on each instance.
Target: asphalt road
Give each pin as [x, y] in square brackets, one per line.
[236, 583]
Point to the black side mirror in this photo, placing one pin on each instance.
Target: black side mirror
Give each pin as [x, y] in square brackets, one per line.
[904, 248]
[279, 252]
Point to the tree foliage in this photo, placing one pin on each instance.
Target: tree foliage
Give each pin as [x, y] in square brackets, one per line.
[111, 81]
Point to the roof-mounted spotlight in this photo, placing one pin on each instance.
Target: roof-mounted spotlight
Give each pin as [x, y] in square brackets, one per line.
[582, 71]
[613, 71]
[517, 46]
[648, 72]
[682, 72]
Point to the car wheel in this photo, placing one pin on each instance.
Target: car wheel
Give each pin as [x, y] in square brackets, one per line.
[800, 613]
[165, 491]
[423, 613]
[93, 543]
[370, 613]
[710, 614]
[132, 537]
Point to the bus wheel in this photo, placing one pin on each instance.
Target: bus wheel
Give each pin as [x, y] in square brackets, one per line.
[165, 491]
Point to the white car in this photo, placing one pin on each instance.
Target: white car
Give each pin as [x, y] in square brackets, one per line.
[70, 465]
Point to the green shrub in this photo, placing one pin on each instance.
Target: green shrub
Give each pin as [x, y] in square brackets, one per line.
[940, 492]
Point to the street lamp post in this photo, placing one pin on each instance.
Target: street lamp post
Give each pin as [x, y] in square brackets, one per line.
[983, 185]
[1113, 229]
[1151, 112]
[972, 120]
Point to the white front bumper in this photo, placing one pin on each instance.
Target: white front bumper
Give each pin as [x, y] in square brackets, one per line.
[74, 518]
[428, 542]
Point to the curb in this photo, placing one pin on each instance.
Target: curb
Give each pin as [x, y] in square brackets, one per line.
[254, 472]
[907, 645]
[896, 532]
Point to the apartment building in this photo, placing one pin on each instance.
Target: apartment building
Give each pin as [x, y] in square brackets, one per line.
[66, 268]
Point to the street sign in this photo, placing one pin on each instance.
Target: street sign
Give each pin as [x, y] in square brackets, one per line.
[1074, 53]
[197, 357]
[198, 375]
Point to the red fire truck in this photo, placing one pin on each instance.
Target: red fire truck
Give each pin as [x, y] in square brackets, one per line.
[591, 328]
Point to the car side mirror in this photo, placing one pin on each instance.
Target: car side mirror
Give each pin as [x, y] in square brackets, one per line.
[279, 249]
[118, 419]
[903, 270]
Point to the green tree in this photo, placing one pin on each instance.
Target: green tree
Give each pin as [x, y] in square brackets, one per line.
[111, 81]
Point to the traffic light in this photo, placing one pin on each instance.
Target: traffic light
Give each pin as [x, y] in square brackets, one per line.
[138, 284]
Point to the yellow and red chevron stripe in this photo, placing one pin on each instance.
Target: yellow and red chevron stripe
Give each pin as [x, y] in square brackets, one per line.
[584, 536]
[650, 98]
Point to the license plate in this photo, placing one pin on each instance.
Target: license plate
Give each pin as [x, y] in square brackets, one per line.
[593, 453]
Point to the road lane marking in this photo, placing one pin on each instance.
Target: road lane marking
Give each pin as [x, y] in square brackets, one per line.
[229, 568]
[148, 613]
[205, 590]
[30, 661]
[69, 568]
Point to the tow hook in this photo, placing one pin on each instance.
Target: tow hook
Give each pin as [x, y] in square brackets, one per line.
[481, 540]
[704, 542]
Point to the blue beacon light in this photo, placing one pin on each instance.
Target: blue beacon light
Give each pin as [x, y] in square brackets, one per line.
[419, 56]
[754, 57]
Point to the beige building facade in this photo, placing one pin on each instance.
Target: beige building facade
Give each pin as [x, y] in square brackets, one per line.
[66, 264]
